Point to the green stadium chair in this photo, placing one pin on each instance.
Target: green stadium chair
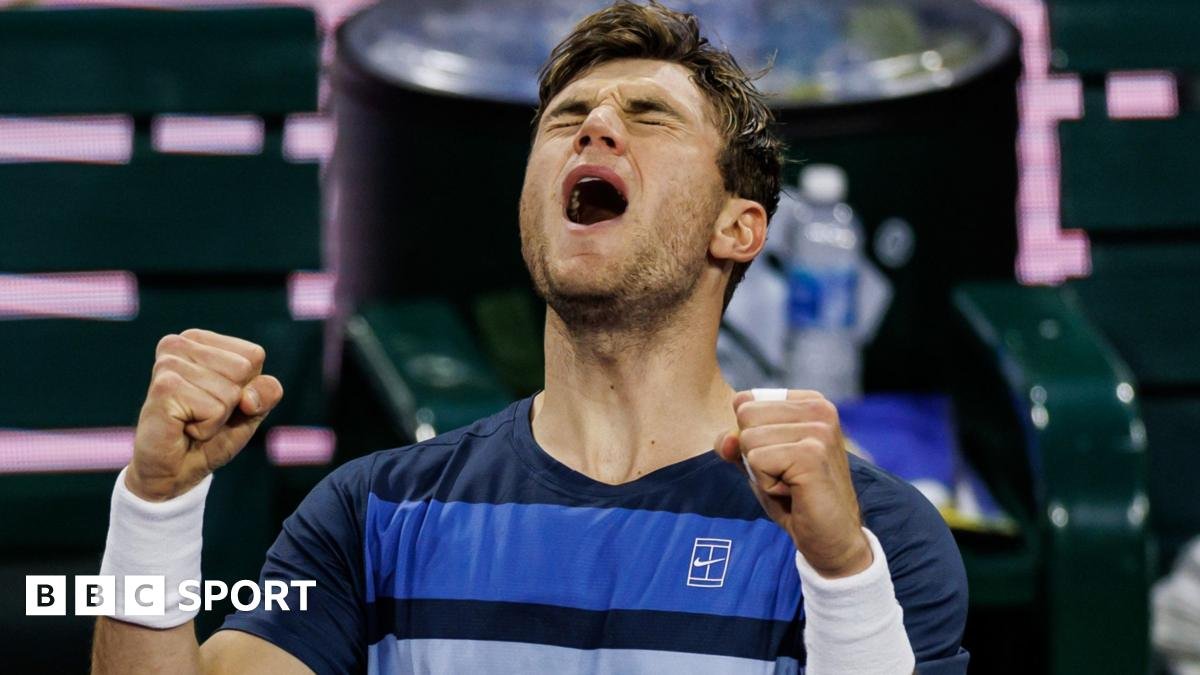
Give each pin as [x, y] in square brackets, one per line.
[1130, 185]
[413, 370]
[1094, 36]
[131, 217]
[1049, 418]
[138, 62]
[211, 239]
[1138, 294]
[1130, 175]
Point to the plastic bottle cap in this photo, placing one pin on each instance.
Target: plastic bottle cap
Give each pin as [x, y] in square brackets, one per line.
[823, 183]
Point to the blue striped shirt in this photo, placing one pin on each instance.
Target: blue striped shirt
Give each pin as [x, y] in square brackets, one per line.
[478, 551]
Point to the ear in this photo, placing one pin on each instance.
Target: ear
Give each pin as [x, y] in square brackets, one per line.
[740, 231]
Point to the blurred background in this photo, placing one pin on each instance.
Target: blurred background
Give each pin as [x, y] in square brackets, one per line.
[988, 251]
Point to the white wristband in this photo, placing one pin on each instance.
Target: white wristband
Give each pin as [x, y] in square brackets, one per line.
[156, 539]
[854, 625]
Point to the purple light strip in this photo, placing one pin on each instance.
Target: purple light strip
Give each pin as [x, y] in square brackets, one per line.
[109, 139]
[114, 295]
[102, 449]
[1148, 94]
[1048, 254]
[110, 448]
[78, 295]
[234, 135]
[308, 138]
[310, 295]
[101, 139]
[300, 446]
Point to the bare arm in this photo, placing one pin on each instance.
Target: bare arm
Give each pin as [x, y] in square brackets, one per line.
[121, 647]
[207, 396]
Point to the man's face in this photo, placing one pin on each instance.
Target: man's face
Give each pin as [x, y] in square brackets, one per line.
[621, 193]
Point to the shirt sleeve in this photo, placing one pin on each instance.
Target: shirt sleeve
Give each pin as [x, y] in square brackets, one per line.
[926, 568]
[323, 542]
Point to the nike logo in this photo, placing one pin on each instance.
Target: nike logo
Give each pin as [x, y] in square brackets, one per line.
[705, 563]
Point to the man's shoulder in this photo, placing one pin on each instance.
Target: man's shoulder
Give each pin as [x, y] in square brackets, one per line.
[907, 524]
[413, 471]
[926, 568]
[913, 534]
[888, 499]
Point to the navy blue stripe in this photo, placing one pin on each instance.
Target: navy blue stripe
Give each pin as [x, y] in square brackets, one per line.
[584, 629]
[582, 557]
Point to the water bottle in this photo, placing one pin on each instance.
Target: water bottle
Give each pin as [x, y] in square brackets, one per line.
[824, 257]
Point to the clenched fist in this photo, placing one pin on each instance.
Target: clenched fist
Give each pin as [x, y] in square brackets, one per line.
[207, 397]
[799, 472]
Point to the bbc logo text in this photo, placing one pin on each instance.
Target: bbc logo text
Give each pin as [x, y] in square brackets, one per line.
[145, 595]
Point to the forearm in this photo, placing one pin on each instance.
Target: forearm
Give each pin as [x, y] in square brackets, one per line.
[855, 625]
[207, 397]
[159, 539]
[119, 647]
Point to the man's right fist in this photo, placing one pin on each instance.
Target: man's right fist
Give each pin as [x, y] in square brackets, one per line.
[207, 397]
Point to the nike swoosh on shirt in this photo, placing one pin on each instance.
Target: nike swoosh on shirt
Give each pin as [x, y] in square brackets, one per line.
[704, 563]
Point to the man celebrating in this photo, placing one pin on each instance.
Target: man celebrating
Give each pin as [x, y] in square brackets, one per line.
[588, 528]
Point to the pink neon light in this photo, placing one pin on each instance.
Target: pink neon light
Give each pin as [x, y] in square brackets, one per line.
[1048, 254]
[233, 135]
[308, 138]
[79, 295]
[310, 295]
[1045, 257]
[102, 139]
[110, 448]
[1058, 97]
[101, 449]
[1142, 95]
[1037, 147]
[296, 446]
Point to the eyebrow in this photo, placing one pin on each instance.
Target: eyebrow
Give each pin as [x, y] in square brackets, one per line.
[571, 106]
[653, 104]
[635, 106]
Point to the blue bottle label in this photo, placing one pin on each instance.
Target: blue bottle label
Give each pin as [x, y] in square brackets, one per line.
[822, 299]
[804, 298]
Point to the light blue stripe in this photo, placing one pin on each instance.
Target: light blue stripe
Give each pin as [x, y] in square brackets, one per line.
[390, 656]
[587, 558]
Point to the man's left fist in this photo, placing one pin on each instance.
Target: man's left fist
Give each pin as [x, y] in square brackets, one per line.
[796, 456]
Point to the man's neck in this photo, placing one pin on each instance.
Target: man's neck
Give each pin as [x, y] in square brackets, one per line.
[617, 406]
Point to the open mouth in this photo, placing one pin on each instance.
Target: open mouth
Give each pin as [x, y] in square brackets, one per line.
[594, 199]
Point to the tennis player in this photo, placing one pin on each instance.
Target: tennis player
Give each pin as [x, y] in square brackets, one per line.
[635, 516]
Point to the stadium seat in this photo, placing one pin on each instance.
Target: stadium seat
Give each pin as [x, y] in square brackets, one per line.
[1130, 185]
[413, 370]
[1128, 182]
[1145, 261]
[1047, 415]
[210, 239]
[1097, 36]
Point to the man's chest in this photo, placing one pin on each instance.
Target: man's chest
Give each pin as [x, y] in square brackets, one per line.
[581, 558]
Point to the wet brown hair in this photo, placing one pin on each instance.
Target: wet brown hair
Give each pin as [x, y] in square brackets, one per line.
[750, 161]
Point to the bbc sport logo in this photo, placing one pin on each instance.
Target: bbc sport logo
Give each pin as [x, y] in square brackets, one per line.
[145, 595]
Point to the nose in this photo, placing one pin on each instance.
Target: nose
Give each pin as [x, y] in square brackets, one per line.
[603, 130]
